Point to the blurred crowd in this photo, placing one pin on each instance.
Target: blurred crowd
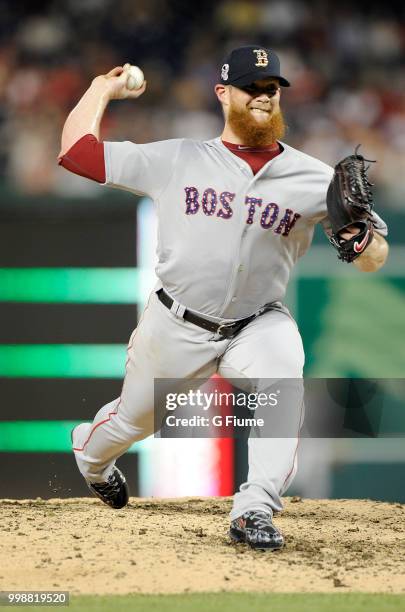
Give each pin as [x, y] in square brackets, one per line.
[344, 61]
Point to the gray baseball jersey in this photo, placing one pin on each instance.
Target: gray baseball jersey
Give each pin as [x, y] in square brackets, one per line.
[228, 239]
[227, 242]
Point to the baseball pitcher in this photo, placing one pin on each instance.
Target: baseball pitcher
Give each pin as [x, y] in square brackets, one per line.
[235, 214]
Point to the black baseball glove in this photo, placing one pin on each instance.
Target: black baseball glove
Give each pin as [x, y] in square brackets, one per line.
[350, 202]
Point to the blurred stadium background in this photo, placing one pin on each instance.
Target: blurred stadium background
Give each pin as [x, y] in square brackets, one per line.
[76, 260]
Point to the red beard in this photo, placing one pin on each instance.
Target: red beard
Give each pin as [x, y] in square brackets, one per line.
[252, 133]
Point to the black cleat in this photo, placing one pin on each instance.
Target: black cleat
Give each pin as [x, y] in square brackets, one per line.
[114, 492]
[256, 529]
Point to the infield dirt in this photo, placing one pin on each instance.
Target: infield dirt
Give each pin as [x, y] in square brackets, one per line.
[181, 545]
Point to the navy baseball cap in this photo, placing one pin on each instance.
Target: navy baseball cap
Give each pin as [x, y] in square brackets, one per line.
[247, 64]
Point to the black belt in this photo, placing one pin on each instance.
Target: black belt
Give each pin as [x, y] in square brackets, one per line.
[226, 330]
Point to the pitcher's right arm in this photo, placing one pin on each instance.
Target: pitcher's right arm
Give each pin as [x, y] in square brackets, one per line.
[81, 150]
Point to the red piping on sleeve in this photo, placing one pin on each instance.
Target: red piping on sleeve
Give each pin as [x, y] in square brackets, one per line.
[86, 158]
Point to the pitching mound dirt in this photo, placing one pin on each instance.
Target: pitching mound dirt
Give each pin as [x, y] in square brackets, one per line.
[174, 546]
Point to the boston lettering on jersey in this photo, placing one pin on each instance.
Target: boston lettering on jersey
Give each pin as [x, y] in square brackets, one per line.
[219, 205]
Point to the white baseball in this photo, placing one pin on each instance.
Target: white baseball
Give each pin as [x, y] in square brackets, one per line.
[135, 77]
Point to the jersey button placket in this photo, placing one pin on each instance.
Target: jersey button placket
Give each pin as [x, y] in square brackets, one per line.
[240, 267]
[234, 281]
